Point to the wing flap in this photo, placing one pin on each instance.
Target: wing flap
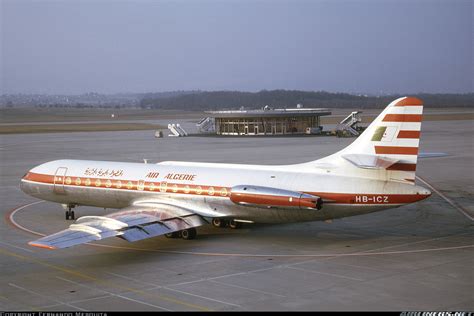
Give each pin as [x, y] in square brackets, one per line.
[132, 224]
[162, 227]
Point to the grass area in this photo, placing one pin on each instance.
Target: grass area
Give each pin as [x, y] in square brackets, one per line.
[17, 115]
[79, 118]
[75, 127]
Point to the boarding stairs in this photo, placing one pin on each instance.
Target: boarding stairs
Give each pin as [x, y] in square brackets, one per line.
[206, 125]
[176, 130]
[349, 124]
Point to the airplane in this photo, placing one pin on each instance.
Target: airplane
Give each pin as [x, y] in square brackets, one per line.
[375, 172]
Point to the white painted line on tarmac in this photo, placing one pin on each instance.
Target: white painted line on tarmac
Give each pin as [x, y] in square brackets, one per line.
[11, 217]
[113, 294]
[363, 253]
[453, 204]
[324, 273]
[13, 246]
[203, 297]
[47, 297]
[131, 279]
[246, 288]
[75, 302]
[156, 286]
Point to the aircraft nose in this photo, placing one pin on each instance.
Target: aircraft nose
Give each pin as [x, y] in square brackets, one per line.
[24, 186]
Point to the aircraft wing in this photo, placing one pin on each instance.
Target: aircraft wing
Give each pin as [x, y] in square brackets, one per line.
[431, 155]
[132, 223]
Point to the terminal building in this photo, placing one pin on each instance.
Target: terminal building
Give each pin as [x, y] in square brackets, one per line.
[267, 121]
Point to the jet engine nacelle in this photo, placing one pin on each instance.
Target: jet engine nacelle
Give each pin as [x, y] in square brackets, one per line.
[257, 196]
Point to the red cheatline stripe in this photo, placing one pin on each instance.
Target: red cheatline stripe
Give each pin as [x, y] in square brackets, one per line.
[402, 118]
[403, 167]
[394, 150]
[343, 198]
[408, 134]
[410, 101]
[123, 184]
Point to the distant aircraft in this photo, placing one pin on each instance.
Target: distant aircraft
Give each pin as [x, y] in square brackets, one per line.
[375, 172]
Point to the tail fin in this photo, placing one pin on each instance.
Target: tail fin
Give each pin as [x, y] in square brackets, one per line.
[390, 142]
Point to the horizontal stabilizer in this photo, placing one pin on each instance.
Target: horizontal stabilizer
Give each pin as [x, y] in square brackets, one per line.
[370, 161]
[431, 155]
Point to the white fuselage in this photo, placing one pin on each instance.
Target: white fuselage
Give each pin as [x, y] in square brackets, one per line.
[205, 188]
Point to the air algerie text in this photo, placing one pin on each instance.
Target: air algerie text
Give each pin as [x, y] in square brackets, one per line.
[180, 176]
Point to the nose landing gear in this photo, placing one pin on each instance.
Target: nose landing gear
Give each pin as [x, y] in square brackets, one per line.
[70, 213]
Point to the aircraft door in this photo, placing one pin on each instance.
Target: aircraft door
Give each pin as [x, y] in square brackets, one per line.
[59, 178]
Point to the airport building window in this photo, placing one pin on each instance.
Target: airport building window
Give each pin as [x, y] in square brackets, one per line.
[281, 122]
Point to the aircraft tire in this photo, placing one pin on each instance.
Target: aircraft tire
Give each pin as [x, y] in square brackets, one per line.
[235, 225]
[218, 222]
[189, 233]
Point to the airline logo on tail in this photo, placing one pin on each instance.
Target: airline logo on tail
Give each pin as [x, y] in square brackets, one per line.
[397, 135]
[390, 142]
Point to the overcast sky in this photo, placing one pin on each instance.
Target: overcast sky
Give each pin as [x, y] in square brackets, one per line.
[380, 46]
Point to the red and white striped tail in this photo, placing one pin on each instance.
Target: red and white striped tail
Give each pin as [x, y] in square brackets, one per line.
[394, 134]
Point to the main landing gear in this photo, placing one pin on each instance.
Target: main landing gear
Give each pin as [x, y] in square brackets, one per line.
[186, 234]
[221, 222]
[70, 213]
